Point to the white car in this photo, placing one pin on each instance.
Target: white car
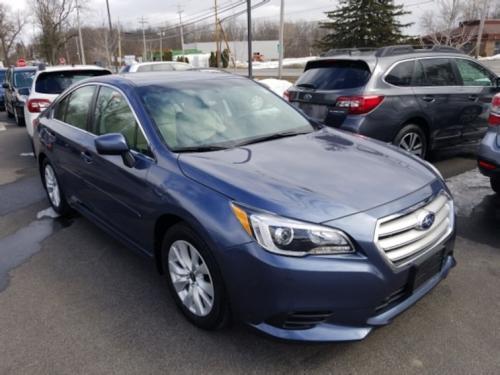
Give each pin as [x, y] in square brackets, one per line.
[51, 81]
[156, 66]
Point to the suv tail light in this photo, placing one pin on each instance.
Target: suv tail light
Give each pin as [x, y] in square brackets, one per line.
[494, 118]
[37, 105]
[286, 95]
[358, 105]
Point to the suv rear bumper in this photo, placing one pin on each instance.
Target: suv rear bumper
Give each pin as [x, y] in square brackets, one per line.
[489, 152]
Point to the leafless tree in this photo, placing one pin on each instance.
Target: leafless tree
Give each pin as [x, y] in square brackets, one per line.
[53, 18]
[442, 25]
[11, 26]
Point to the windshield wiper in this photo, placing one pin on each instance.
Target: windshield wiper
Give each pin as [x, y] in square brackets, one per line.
[271, 137]
[306, 85]
[200, 148]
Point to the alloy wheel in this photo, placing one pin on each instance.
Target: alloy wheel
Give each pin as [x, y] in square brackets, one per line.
[52, 186]
[413, 143]
[191, 278]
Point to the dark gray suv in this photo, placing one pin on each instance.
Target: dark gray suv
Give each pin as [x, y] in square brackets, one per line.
[418, 99]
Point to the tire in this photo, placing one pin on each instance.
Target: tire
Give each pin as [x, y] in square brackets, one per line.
[412, 138]
[19, 121]
[54, 190]
[199, 294]
[495, 184]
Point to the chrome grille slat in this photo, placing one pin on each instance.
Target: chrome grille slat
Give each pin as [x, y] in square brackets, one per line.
[405, 238]
[401, 240]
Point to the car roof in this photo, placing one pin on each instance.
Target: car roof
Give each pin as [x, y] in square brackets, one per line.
[23, 68]
[157, 62]
[151, 78]
[55, 68]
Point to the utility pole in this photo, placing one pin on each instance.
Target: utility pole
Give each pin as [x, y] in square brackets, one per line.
[82, 51]
[181, 30]
[161, 45]
[249, 26]
[217, 46]
[110, 39]
[481, 26]
[119, 44]
[142, 21]
[281, 45]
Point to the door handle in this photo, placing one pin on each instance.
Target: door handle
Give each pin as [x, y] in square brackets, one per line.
[86, 157]
[428, 98]
[472, 98]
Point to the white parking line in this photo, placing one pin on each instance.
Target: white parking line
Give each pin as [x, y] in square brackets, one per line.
[2, 128]
[27, 154]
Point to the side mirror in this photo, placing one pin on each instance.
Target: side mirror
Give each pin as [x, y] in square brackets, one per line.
[5, 85]
[24, 91]
[115, 144]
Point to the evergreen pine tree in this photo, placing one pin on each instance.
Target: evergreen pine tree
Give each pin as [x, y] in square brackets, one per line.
[363, 24]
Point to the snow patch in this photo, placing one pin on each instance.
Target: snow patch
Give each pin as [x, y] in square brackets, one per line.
[279, 86]
[299, 62]
[468, 190]
[49, 212]
[494, 57]
[2, 128]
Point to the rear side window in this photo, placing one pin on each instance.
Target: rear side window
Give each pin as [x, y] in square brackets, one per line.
[78, 107]
[438, 72]
[23, 78]
[335, 75]
[401, 74]
[57, 82]
[162, 67]
[144, 68]
[473, 74]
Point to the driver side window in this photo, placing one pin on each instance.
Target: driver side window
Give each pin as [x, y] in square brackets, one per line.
[113, 115]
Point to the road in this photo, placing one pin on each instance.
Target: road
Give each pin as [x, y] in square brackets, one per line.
[74, 301]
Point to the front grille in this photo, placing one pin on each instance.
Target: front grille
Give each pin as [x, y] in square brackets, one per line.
[402, 240]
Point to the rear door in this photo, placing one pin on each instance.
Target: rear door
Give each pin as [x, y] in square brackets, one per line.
[438, 93]
[478, 89]
[318, 88]
[68, 138]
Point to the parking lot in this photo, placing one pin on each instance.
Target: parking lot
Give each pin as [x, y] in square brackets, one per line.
[73, 300]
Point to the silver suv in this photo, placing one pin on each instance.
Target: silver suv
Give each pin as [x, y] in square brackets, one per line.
[418, 99]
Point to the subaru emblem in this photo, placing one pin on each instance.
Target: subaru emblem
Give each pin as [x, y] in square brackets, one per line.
[307, 97]
[425, 220]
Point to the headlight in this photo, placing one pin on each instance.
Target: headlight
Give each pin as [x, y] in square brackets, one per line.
[290, 237]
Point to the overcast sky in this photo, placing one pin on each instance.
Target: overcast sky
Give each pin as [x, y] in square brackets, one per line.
[159, 11]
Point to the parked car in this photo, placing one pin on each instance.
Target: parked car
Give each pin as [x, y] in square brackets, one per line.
[16, 85]
[2, 90]
[418, 99]
[252, 210]
[51, 81]
[489, 150]
[156, 66]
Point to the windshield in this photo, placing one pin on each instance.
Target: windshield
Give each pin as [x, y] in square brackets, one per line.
[57, 82]
[334, 75]
[23, 78]
[224, 113]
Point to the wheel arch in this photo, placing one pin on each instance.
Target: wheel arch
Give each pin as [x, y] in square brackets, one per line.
[422, 123]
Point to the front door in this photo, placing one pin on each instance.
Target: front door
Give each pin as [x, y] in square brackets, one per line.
[121, 195]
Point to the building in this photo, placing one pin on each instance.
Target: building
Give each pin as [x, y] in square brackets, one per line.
[239, 49]
[466, 34]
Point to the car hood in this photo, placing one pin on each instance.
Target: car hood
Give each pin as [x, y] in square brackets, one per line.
[315, 177]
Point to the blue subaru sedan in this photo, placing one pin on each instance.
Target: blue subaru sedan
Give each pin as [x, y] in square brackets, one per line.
[251, 210]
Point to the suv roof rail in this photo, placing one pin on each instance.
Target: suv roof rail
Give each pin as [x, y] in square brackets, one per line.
[347, 51]
[406, 49]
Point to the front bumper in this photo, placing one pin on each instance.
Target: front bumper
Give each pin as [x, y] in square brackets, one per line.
[489, 152]
[338, 298]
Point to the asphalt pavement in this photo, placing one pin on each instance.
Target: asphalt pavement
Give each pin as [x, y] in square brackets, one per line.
[74, 301]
